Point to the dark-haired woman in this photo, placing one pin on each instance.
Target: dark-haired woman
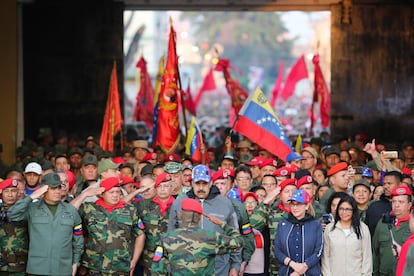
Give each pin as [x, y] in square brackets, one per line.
[347, 243]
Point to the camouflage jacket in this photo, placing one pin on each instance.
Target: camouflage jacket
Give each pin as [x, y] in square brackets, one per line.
[268, 215]
[14, 243]
[155, 225]
[110, 237]
[245, 229]
[191, 250]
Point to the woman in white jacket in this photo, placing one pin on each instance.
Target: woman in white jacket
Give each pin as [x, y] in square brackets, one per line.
[347, 243]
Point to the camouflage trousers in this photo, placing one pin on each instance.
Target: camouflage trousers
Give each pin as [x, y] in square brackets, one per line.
[97, 273]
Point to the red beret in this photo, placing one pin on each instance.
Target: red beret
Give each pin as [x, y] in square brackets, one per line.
[401, 190]
[190, 204]
[118, 160]
[268, 162]
[307, 179]
[256, 161]
[150, 156]
[109, 183]
[172, 157]
[342, 166]
[10, 182]
[223, 174]
[126, 180]
[406, 171]
[246, 195]
[164, 177]
[71, 178]
[284, 183]
[283, 171]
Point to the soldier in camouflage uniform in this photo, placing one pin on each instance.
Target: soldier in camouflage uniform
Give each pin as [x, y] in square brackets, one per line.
[270, 212]
[13, 236]
[223, 180]
[115, 236]
[190, 250]
[155, 215]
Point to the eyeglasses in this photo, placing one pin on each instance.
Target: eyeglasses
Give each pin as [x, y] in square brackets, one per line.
[251, 203]
[340, 209]
[243, 178]
[296, 204]
[260, 196]
[268, 183]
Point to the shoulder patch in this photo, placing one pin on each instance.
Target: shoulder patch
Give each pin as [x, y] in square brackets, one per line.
[246, 229]
[159, 251]
[77, 230]
[140, 224]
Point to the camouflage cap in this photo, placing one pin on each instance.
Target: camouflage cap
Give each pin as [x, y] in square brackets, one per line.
[105, 165]
[52, 180]
[173, 167]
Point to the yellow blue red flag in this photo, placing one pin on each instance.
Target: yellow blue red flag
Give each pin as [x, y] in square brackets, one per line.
[258, 122]
[194, 142]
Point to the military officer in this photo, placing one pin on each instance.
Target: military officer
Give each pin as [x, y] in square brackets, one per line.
[55, 229]
[190, 250]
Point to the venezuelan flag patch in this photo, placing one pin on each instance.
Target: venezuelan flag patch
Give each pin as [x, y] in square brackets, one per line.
[77, 230]
[140, 224]
[158, 254]
[246, 229]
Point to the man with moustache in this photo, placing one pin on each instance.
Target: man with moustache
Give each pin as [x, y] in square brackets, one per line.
[214, 204]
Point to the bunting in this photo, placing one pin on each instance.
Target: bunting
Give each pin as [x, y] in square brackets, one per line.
[112, 122]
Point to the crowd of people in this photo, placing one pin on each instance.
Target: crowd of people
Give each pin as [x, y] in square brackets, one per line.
[331, 208]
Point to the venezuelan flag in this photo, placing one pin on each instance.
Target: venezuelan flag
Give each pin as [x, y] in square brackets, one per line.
[194, 141]
[258, 122]
[77, 230]
[246, 229]
[158, 254]
[140, 224]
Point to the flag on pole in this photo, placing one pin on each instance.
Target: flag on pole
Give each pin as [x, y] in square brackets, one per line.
[112, 122]
[188, 100]
[208, 85]
[144, 108]
[321, 95]
[168, 129]
[157, 90]
[258, 122]
[237, 93]
[194, 142]
[297, 73]
[278, 83]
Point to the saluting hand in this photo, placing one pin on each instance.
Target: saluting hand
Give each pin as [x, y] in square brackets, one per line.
[271, 196]
[213, 219]
[39, 192]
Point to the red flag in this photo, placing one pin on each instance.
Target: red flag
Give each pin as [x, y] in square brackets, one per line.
[237, 93]
[320, 95]
[144, 110]
[188, 101]
[298, 72]
[278, 83]
[208, 84]
[113, 119]
[168, 135]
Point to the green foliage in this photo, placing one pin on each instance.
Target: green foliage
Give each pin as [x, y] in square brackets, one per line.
[248, 38]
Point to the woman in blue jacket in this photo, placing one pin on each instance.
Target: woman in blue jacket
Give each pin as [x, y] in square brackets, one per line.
[299, 239]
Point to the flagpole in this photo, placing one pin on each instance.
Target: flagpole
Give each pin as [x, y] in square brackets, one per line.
[180, 89]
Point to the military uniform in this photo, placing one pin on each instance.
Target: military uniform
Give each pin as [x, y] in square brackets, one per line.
[319, 209]
[14, 243]
[383, 260]
[110, 238]
[56, 241]
[269, 215]
[245, 229]
[155, 225]
[191, 250]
